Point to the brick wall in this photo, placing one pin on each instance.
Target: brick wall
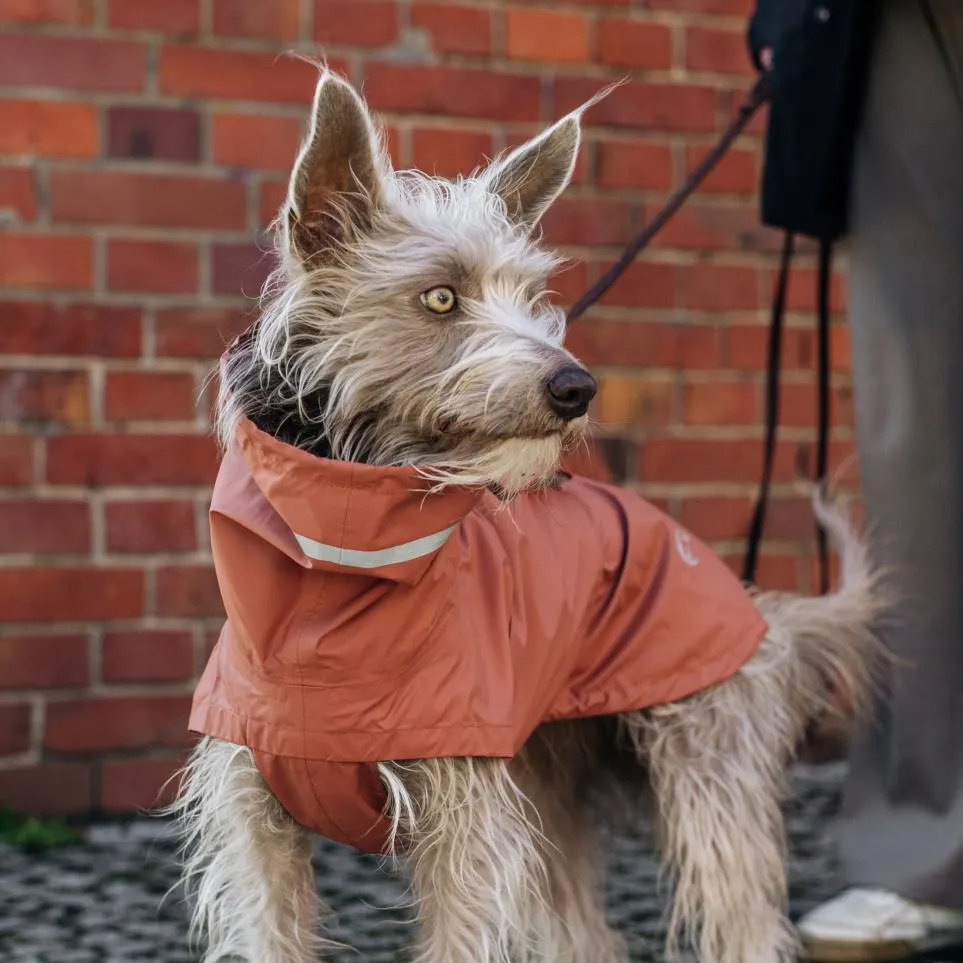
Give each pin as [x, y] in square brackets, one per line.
[143, 150]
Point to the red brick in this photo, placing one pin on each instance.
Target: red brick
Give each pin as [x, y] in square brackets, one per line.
[722, 403]
[801, 295]
[633, 43]
[840, 348]
[96, 724]
[361, 23]
[50, 261]
[591, 461]
[17, 462]
[272, 196]
[568, 282]
[634, 402]
[646, 106]
[747, 347]
[47, 128]
[790, 518]
[736, 173]
[456, 91]
[634, 164]
[777, 572]
[460, 30]
[189, 591]
[717, 50]
[82, 594]
[717, 287]
[151, 526]
[164, 267]
[150, 396]
[211, 637]
[278, 20]
[394, 146]
[589, 221]
[644, 284]
[71, 13]
[44, 397]
[75, 63]
[447, 152]
[170, 16]
[712, 226]
[43, 526]
[711, 460]
[798, 405]
[256, 140]
[154, 133]
[736, 8]
[35, 327]
[198, 332]
[240, 268]
[237, 74]
[156, 459]
[157, 200]
[48, 789]
[43, 661]
[18, 196]
[688, 346]
[14, 728]
[148, 655]
[715, 518]
[546, 35]
[135, 785]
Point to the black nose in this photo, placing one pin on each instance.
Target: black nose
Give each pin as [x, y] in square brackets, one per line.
[569, 392]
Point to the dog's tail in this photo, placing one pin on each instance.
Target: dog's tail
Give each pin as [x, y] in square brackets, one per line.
[834, 638]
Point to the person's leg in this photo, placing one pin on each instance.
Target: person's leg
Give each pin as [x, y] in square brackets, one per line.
[902, 823]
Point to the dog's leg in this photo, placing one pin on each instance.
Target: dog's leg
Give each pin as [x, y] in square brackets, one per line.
[472, 847]
[247, 862]
[716, 764]
[570, 927]
[717, 761]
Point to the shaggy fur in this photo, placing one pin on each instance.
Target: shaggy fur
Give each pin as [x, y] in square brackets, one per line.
[348, 361]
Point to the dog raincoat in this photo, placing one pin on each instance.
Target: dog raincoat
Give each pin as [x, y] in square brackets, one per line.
[369, 620]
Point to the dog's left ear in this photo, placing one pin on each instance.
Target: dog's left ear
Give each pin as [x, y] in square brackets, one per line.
[531, 177]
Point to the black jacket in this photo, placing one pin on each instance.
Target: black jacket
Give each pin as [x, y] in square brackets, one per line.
[821, 57]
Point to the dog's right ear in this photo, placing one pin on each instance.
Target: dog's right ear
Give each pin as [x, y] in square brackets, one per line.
[338, 176]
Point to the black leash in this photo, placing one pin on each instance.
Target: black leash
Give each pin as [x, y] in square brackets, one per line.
[773, 369]
[756, 97]
[823, 367]
[774, 359]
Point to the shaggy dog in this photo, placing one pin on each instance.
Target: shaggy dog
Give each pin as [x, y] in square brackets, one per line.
[406, 326]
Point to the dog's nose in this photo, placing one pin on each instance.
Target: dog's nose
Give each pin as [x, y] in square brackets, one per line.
[569, 392]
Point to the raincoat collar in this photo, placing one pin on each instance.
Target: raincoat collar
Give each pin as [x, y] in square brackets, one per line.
[340, 516]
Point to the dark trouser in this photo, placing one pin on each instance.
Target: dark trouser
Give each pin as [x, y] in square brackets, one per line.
[902, 822]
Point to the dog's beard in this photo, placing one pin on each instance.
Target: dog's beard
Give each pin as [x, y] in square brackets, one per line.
[508, 466]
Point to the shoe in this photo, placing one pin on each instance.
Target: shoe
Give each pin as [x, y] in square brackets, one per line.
[876, 926]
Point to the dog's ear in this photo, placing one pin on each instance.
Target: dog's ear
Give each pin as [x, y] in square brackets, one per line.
[532, 176]
[338, 176]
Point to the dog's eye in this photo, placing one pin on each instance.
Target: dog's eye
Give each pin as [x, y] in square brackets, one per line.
[439, 300]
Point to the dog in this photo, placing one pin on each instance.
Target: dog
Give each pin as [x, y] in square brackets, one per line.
[406, 328]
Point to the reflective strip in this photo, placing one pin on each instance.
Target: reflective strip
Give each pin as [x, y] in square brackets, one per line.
[354, 558]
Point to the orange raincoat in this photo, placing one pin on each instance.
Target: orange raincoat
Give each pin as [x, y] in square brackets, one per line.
[368, 620]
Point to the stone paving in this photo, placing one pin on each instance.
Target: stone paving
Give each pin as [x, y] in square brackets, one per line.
[103, 900]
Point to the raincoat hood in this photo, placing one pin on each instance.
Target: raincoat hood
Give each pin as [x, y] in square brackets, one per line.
[369, 619]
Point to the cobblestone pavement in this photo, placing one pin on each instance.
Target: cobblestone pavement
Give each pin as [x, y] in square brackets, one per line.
[103, 901]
